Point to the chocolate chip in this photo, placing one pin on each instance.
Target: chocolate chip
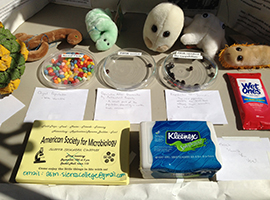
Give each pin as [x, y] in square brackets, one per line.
[212, 74]
[169, 66]
[196, 85]
[190, 68]
[171, 74]
[209, 66]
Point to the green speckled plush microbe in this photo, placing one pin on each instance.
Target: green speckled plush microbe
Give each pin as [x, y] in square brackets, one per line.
[102, 30]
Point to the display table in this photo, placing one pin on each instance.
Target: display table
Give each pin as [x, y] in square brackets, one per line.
[13, 132]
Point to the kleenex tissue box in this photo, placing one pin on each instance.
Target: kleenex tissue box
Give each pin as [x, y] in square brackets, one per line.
[178, 149]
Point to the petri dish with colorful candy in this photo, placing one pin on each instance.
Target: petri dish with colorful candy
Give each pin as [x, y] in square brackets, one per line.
[67, 69]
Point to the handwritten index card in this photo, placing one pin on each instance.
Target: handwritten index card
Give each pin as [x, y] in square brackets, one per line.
[52, 104]
[244, 158]
[134, 106]
[202, 105]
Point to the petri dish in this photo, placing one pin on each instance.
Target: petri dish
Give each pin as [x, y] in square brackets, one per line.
[188, 70]
[67, 69]
[128, 69]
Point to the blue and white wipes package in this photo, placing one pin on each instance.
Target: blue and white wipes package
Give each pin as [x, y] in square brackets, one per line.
[178, 149]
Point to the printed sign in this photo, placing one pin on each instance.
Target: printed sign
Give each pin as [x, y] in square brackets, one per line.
[76, 152]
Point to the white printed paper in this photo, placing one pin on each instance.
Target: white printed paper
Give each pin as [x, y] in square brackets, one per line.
[77, 3]
[247, 17]
[244, 159]
[134, 106]
[9, 106]
[52, 104]
[200, 106]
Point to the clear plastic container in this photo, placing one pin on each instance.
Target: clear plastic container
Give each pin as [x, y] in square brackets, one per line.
[128, 69]
[67, 69]
[188, 70]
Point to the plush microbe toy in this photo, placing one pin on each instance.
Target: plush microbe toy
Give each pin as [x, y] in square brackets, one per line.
[163, 26]
[13, 54]
[101, 28]
[205, 31]
[245, 56]
[38, 45]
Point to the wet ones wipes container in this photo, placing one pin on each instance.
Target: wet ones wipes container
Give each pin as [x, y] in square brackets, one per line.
[179, 149]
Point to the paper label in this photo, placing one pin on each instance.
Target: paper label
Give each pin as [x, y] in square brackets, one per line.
[121, 53]
[187, 55]
[71, 55]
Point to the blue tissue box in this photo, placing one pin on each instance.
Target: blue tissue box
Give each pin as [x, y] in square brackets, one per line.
[178, 149]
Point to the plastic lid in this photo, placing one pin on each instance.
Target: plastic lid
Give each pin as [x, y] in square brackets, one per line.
[67, 69]
[188, 70]
[128, 69]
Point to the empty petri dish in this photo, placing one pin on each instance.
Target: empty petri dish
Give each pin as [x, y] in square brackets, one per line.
[128, 69]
